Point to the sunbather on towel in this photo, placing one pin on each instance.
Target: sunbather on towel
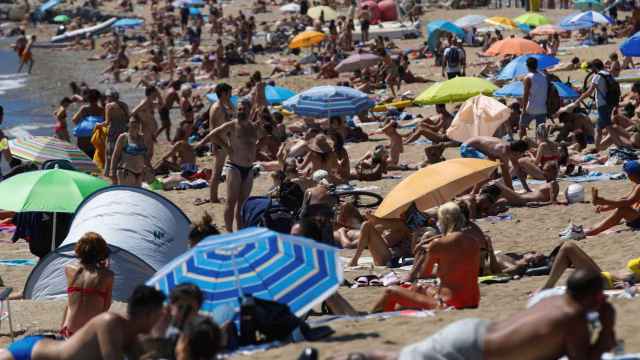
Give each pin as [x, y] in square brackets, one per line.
[457, 255]
[544, 195]
[570, 255]
[626, 208]
[563, 318]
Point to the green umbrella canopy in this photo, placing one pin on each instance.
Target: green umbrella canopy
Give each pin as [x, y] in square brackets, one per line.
[54, 190]
[532, 19]
[455, 90]
[62, 19]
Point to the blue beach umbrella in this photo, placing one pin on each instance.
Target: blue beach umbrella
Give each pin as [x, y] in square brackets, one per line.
[516, 89]
[437, 27]
[127, 23]
[567, 23]
[193, 11]
[327, 101]
[277, 95]
[631, 46]
[214, 98]
[518, 66]
[288, 269]
[588, 17]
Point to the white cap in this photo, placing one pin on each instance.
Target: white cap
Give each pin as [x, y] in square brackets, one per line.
[319, 175]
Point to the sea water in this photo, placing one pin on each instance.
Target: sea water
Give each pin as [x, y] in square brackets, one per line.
[23, 115]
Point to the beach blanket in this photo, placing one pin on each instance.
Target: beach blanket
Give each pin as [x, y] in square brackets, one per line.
[18, 262]
[378, 316]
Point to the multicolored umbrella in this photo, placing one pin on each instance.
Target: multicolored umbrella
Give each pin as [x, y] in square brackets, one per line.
[514, 46]
[470, 20]
[586, 5]
[518, 66]
[358, 62]
[291, 270]
[516, 89]
[42, 148]
[455, 90]
[631, 46]
[545, 30]
[327, 13]
[434, 185]
[502, 21]
[327, 101]
[307, 39]
[277, 95]
[532, 19]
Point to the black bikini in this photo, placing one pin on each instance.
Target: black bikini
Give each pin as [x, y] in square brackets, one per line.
[245, 171]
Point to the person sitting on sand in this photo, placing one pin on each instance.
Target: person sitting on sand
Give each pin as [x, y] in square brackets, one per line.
[320, 157]
[89, 283]
[181, 157]
[623, 209]
[385, 239]
[547, 151]
[571, 255]
[371, 166]
[433, 129]
[318, 206]
[496, 149]
[390, 130]
[433, 155]
[573, 65]
[328, 70]
[457, 256]
[131, 156]
[106, 336]
[564, 318]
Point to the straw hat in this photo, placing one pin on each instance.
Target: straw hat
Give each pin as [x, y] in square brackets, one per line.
[320, 144]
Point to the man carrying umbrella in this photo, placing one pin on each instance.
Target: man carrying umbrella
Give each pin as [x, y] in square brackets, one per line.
[238, 139]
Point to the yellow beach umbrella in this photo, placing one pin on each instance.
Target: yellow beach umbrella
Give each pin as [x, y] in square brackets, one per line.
[329, 13]
[501, 21]
[455, 90]
[434, 185]
[307, 39]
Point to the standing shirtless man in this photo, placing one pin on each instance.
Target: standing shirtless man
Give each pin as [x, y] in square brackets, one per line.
[164, 112]
[145, 111]
[219, 114]
[237, 138]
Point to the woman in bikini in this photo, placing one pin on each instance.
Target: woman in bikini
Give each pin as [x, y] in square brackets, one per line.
[60, 129]
[185, 103]
[544, 195]
[89, 283]
[547, 151]
[131, 155]
[116, 119]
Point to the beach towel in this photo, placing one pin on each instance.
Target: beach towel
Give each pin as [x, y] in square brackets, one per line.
[376, 316]
[18, 262]
[99, 141]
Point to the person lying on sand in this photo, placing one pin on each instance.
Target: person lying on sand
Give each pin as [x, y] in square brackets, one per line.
[623, 209]
[573, 65]
[457, 255]
[571, 255]
[563, 317]
[496, 149]
[106, 336]
[545, 194]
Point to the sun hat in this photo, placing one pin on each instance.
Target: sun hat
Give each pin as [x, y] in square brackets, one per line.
[320, 144]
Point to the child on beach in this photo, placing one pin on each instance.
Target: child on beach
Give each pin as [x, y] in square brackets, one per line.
[61, 131]
[26, 56]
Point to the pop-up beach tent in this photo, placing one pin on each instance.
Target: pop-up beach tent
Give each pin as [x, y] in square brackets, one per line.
[144, 230]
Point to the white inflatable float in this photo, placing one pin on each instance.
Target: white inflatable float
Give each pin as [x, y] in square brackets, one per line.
[70, 35]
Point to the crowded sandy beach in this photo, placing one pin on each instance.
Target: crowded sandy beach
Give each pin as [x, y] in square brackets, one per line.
[354, 180]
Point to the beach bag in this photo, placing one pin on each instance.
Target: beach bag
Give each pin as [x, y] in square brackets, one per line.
[86, 126]
[453, 57]
[554, 102]
[613, 90]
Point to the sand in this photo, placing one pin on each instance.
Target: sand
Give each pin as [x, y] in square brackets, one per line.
[530, 229]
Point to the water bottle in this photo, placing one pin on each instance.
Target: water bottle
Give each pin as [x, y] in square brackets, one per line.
[247, 321]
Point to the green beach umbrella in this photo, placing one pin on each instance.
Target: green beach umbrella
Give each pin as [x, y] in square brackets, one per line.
[455, 90]
[62, 19]
[54, 190]
[532, 19]
[586, 5]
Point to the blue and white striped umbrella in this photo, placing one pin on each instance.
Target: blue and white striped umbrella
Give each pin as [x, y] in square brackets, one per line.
[327, 101]
[289, 269]
[593, 18]
[518, 66]
[277, 94]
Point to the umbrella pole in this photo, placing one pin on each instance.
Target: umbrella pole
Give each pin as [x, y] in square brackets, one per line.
[53, 236]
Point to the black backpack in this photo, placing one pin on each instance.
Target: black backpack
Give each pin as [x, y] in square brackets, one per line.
[453, 57]
[613, 93]
[554, 102]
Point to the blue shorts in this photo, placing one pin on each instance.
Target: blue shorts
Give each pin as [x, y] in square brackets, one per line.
[525, 119]
[604, 116]
[468, 151]
[21, 349]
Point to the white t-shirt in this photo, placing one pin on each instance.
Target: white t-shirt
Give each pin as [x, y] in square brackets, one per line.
[601, 88]
[457, 67]
[537, 94]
